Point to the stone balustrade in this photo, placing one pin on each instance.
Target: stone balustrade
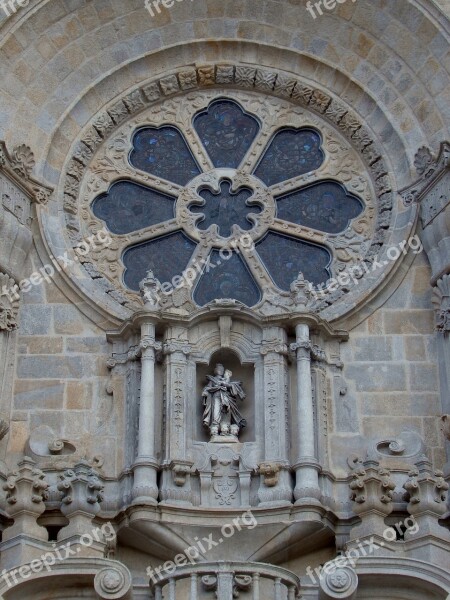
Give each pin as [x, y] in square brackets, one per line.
[227, 580]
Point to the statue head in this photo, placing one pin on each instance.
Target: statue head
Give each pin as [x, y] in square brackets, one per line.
[219, 370]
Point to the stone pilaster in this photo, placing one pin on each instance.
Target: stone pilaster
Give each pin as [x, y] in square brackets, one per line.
[176, 486]
[275, 485]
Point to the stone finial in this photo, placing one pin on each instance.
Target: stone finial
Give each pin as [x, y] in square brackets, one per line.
[301, 291]
[149, 288]
[26, 490]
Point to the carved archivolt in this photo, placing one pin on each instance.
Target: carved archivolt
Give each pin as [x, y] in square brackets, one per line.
[352, 157]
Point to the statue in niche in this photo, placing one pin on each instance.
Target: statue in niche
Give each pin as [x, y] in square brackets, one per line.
[220, 400]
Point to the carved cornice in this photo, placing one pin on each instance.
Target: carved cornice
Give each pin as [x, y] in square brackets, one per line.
[430, 169]
[17, 167]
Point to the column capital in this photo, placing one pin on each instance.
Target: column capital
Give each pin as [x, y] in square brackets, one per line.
[274, 346]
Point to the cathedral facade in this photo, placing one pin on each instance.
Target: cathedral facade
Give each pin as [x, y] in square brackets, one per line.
[224, 299]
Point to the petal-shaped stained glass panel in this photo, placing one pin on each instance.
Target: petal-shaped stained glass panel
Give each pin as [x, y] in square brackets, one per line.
[226, 278]
[226, 132]
[225, 209]
[326, 206]
[128, 206]
[284, 257]
[292, 152]
[166, 256]
[163, 152]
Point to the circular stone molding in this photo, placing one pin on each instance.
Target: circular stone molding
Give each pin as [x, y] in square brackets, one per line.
[113, 583]
[261, 197]
[341, 583]
[100, 157]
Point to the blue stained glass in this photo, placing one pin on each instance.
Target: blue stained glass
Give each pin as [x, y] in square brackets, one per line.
[166, 256]
[284, 257]
[227, 132]
[164, 153]
[226, 278]
[326, 206]
[128, 206]
[225, 209]
[292, 152]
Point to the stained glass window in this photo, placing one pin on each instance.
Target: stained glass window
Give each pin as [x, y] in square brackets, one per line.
[285, 257]
[292, 152]
[226, 278]
[166, 256]
[164, 153]
[225, 209]
[215, 205]
[226, 132]
[326, 206]
[129, 206]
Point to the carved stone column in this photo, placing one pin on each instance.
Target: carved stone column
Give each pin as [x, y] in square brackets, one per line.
[307, 468]
[430, 191]
[275, 484]
[145, 488]
[176, 486]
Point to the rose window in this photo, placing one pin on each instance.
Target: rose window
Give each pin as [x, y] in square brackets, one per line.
[244, 205]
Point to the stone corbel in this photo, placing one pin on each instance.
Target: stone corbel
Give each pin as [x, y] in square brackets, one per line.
[426, 494]
[81, 495]
[176, 483]
[372, 492]
[26, 490]
[270, 473]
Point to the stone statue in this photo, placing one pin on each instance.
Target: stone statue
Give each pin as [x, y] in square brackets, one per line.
[221, 414]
